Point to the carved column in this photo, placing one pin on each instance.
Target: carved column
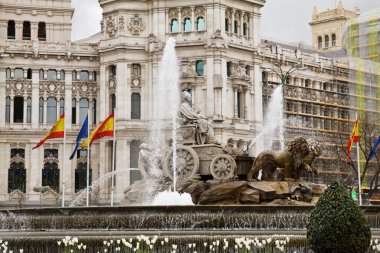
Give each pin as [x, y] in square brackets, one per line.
[250, 30]
[232, 21]
[2, 97]
[77, 110]
[18, 30]
[68, 99]
[167, 21]
[12, 110]
[90, 107]
[193, 21]
[180, 21]
[45, 110]
[34, 31]
[35, 98]
[241, 24]
[245, 92]
[236, 103]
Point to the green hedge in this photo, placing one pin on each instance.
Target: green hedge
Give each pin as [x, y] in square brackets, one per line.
[337, 224]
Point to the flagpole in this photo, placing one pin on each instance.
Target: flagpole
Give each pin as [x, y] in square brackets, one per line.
[358, 159]
[64, 160]
[88, 161]
[113, 157]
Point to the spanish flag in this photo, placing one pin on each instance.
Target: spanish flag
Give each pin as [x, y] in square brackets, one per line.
[57, 131]
[354, 138]
[105, 129]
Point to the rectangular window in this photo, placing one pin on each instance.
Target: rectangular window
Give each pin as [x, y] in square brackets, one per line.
[199, 67]
[136, 69]
[18, 109]
[29, 111]
[52, 74]
[41, 111]
[84, 76]
[19, 73]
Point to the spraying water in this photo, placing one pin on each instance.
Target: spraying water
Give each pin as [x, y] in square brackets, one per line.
[273, 128]
[166, 106]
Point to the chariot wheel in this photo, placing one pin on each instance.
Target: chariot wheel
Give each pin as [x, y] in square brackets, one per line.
[187, 163]
[223, 167]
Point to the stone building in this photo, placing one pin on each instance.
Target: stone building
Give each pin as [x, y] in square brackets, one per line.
[43, 74]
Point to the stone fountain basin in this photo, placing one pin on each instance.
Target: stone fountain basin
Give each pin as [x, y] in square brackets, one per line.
[166, 218]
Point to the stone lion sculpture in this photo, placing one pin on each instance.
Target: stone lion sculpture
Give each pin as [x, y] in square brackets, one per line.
[291, 160]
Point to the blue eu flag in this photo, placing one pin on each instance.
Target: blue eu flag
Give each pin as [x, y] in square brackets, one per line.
[83, 133]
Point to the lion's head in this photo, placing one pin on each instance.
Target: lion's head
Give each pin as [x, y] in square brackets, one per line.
[298, 146]
[314, 147]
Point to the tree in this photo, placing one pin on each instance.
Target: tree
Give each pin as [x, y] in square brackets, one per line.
[368, 133]
[337, 224]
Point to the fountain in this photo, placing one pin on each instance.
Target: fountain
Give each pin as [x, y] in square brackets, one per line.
[233, 212]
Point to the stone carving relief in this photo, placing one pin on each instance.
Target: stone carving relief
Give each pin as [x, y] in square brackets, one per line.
[121, 23]
[136, 25]
[17, 159]
[112, 85]
[240, 72]
[85, 88]
[217, 41]
[102, 26]
[199, 12]
[186, 12]
[51, 159]
[52, 87]
[35, 49]
[187, 68]
[111, 26]
[19, 86]
[173, 13]
[154, 44]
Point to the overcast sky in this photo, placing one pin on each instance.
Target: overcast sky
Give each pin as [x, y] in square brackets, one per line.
[284, 20]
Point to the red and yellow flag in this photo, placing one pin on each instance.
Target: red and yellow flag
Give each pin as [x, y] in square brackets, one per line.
[354, 138]
[105, 129]
[57, 131]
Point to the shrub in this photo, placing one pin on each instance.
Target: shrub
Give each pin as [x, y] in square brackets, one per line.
[337, 224]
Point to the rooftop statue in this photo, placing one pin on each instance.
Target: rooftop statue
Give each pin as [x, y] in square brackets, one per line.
[204, 129]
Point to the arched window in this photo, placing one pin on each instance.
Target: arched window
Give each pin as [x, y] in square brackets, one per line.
[50, 172]
[226, 24]
[17, 171]
[51, 110]
[42, 77]
[29, 74]
[83, 109]
[26, 30]
[8, 74]
[247, 70]
[327, 41]
[8, 110]
[94, 111]
[61, 106]
[319, 42]
[200, 24]
[112, 71]
[11, 32]
[135, 106]
[236, 26]
[113, 103]
[134, 153]
[18, 109]
[333, 40]
[41, 111]
[74, 75]
[42, 31]
[62, 75]
[29, 110]
[199, 67]
[74, 111]
[81, 171]
[174, 27]
[245, 29]
[17, 177]
[187, 25]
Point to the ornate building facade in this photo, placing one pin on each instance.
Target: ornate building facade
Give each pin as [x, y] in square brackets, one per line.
[43, 74]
